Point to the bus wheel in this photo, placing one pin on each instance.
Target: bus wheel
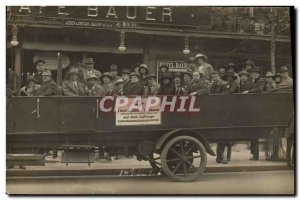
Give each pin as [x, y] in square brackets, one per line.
[183, 158]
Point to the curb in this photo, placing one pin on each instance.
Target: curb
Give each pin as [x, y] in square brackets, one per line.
[130, 171]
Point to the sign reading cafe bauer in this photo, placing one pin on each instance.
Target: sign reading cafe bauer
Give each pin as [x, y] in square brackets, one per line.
[148, 13]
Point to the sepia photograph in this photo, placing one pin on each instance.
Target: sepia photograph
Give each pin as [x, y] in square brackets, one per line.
[150, 100]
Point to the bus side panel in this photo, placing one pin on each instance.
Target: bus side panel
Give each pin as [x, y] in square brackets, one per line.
[25, 114]
[49, 115]
[77, 114]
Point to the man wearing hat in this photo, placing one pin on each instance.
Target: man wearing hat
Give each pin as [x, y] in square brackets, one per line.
[152, 87]
[31, 87]
[232, 68]
[114, 74]
[135, 87]
[48, 87]
[286, 79]
[277, 79]
[231, 86]
[126, 79]
[119, 88]
[218, 84]
[244, 82]
[71, 86]
[143, 71]
[198, 86]
[257, 84]
[40, 67]
[222, 70]
[187, 79]
[106, 84]
[90, 63]
[270, 84]
[179, 90]
[93, 87]
[166, 84]
[203, 67]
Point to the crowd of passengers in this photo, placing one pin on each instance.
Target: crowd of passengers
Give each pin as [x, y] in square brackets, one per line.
[199, 79]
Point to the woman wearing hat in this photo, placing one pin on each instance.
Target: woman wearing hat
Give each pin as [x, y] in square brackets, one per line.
[40, 67]
[93, 87]
[166, 84]
[277, 79]
[135, 87]
[106, 83]
[71, 86]
[270, 83]
[286, 79]
[143, 71]
[152, 87]
[48, 87]
[231, 86]
[30, 88]
[162, 69]
[203, 67]
[119, 88]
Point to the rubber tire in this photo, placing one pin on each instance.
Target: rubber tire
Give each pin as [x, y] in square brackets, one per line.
[165, 166]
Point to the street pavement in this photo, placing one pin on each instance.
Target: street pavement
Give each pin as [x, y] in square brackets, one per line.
[268, 182]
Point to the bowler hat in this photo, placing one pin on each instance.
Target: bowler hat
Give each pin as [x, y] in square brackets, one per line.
[144, 66]
[134, 74]
[90, 61]
[39, 60]
[166, 75]
[46, 73]
[228, 73]
[91, 76]
[106, 74]
[114, 67]
[164, 66]
[119, 81]
[245, 73]
[283, 69]
[30, 78]
[151, 76]
[126, 71]
[200, 56]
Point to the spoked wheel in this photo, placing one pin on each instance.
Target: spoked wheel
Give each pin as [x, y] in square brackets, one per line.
[155, 163]
[184, 158]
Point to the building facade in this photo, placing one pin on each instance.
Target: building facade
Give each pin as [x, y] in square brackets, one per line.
[153, 35]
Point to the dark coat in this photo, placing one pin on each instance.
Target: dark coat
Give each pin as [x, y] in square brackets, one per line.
[186, 88]
[126, 86]
[244, 86]
[48, 88]
[179, 89]
[96, 90]
[257, 86]
[152, 90]
[217, 88]
[108, 89]
[230, 88]
[135, 89]
[69, 89]
[167, 89]
[200, 87]
[39, 78]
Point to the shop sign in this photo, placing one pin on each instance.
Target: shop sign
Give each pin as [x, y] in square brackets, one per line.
[137, 112]
[51, 60]
[174, 65]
